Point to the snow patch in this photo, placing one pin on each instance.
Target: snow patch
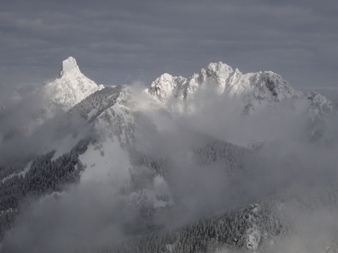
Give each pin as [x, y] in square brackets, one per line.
[253, 238]
[106, 161]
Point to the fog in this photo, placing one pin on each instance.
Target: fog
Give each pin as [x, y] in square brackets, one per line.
[30, 124]
[274, 157]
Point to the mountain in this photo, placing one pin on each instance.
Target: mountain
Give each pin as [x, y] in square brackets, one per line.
[71, 87]
[329, 92]
[63, 93]
[218, 162]
[44, 102]
[256, 90]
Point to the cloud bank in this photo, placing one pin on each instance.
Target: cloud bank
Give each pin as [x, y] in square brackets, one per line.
[208, 169]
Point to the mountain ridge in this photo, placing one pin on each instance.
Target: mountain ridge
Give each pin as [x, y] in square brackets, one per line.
[256, 90]
[152, 166]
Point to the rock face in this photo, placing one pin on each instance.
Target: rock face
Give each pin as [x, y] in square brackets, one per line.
[69, 67]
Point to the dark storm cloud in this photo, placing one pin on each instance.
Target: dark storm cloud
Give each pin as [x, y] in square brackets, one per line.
[123, 41]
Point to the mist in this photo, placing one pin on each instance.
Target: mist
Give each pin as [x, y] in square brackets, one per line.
[286, 156]
[272, 155]
[33, 125]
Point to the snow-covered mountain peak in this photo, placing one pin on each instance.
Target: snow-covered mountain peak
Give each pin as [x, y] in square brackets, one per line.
[166, 86]
[163, 87]
[219, 69]
[71, 87]
[70, 67]
[320, 105]
[271, 84]
[222, 77]
[256, 90]
[215, 75]
[55, 96]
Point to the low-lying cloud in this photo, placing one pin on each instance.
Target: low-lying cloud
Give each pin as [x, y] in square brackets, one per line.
[202, 178]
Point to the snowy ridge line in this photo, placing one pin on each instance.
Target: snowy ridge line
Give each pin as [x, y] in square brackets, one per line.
[256, 90]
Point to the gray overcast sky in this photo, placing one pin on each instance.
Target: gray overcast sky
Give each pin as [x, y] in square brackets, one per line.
[123, 41]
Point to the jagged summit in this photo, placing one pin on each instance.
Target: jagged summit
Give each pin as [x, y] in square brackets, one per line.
[224, 79]
[256, 90]
[69, 67]
[219, 69]
[71, 87]
[61, 94]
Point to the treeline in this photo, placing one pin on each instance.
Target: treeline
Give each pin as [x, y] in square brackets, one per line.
[44, 177]
[100, 100]
[231, 230]
[233, 158]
